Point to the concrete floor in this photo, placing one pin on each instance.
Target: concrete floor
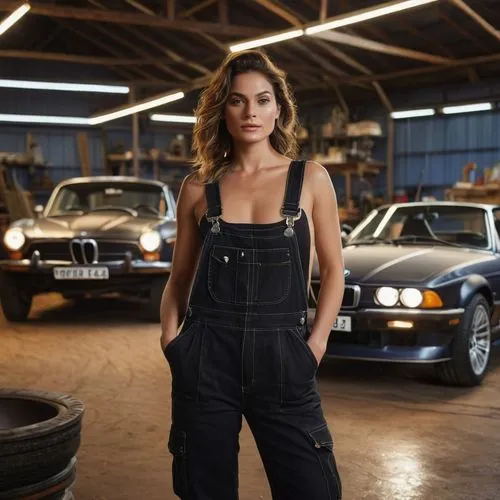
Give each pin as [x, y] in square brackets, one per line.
[398, 434]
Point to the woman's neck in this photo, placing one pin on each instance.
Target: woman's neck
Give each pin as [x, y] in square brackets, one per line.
[249, 158]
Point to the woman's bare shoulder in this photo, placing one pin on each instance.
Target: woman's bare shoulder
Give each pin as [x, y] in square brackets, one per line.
[315, 172]
[192, 187]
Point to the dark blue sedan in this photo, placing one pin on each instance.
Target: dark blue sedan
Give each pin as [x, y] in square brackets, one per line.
[422, 286]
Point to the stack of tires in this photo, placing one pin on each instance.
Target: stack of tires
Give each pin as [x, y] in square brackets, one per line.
[39, 440]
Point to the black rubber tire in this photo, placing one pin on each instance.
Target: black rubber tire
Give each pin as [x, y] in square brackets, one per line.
[152, 306]
[458, 371]
[16, 303]
[33, 453]
[53, 488]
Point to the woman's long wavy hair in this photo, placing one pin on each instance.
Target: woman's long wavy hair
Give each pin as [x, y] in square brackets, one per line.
[212, 143]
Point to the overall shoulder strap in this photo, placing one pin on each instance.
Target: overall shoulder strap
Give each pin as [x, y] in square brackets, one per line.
[293, 188]
[212, 194]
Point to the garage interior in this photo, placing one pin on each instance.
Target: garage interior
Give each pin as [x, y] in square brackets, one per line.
[400, 106]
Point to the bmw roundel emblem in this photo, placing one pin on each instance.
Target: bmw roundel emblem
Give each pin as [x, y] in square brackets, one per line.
[347, 273]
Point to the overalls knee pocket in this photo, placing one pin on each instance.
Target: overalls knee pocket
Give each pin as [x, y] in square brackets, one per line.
[321, 438]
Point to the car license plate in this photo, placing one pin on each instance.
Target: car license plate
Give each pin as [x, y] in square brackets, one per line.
[81, 273]
[342, 324]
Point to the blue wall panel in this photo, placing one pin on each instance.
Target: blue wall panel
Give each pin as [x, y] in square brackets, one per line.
[441, 146]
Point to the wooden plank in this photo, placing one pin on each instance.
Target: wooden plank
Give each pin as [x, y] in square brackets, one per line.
[122, 17]
[82, 142]
[170, 9]
[223, 12]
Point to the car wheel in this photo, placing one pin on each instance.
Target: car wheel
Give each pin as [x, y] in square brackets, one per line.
[152, 307]
[16, 303]
[471, 347]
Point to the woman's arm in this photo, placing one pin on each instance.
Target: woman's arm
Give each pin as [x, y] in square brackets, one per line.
[329, 251]
[186, 254]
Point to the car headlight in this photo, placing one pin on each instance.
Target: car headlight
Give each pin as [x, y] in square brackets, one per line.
[14, 239]
[150, 241]
[411, 297]
[387, 296]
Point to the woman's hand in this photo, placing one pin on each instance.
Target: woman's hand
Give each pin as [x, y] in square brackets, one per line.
[165, 341]
[318, 348]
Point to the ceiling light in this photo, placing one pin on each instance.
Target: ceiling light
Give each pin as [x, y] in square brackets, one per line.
[71, 87]
[365, 14]
[136, 108]
[14, 17]
[467, 108]
[412, 113]
[62, 120]
[259, 42]
[157, 117]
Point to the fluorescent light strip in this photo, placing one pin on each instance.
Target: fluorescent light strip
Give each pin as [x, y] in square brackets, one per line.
[412, 113]
[158, 117]
[70, 87]
[9, 21]
[136, 108]
[371, 13]
[60, 120]
[259, 42]
[467, 108]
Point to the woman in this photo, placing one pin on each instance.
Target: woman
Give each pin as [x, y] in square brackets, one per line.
[249, 221]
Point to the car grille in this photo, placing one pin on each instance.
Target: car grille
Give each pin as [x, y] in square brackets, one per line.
[350, 300]
[107, 251]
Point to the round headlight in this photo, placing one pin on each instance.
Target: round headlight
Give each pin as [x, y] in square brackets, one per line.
[14, 239]
[150, 241]
[387, 296]
[411, 297]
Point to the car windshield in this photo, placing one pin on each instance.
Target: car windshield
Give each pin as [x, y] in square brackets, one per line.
[426, 224]
[133, 198]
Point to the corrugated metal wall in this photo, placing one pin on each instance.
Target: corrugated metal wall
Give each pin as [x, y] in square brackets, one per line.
[437, 148]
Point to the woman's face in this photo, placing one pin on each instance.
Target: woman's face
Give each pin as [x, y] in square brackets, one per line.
[251, 109]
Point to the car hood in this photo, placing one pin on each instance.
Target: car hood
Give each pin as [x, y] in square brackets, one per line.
[408, 263]
[102, 224]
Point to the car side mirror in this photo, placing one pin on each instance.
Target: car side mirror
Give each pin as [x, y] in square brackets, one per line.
[346, 228]
[345, 231]
[38, 210]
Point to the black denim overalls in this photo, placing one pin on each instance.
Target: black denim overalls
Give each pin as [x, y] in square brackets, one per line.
[242, 351]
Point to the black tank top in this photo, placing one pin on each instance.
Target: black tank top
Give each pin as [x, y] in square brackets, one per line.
[291, 206]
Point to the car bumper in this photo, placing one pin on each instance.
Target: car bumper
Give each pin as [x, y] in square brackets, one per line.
[127, 277]
[420, 337]
[119, 267]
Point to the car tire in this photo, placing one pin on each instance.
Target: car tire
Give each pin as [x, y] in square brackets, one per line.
[16, 302]
[152, 307]
[466, 369]
[40, 438]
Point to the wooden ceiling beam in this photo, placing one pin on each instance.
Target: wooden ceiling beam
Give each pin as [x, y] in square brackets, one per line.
[122, 17]
[55, 56]
[476, 17]
[186, 14]
[371, 45]
[140, 52]
[170, 9]
[425, 70]
[280, 12]
[223, 11]
[169, 53]
[104, 46]
[463, 32]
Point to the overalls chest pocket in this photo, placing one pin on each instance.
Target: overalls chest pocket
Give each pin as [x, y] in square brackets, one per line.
[249, 276]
